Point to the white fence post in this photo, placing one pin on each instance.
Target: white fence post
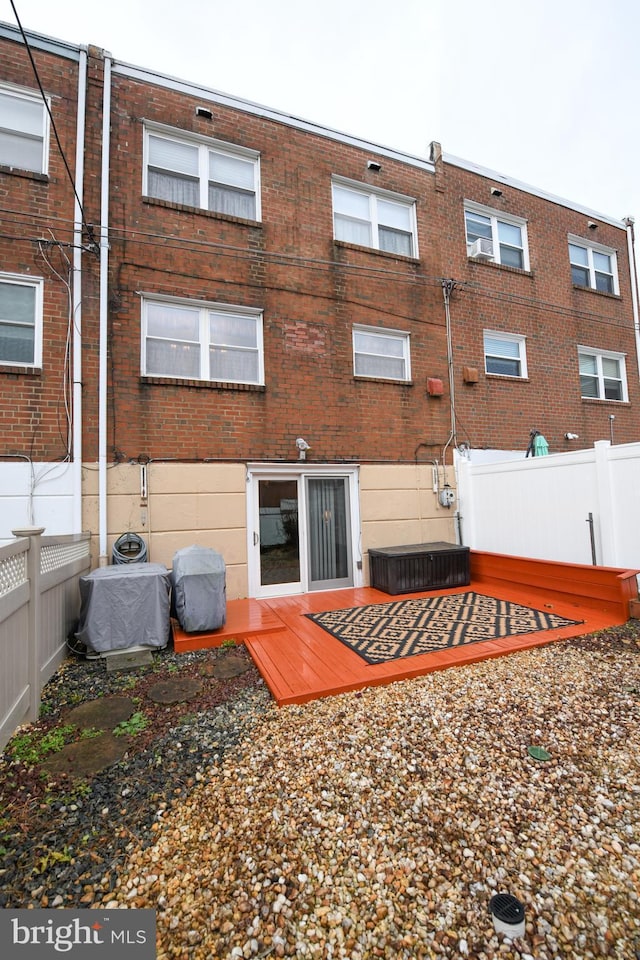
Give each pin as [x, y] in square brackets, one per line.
[33, 574]
[606, 506]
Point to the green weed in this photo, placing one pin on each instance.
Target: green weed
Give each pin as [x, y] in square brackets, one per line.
[32, 747]
[136, 723]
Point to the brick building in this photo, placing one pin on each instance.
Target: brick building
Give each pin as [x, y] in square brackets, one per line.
[267, 337]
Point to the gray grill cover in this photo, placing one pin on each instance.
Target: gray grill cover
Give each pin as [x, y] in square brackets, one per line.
[199, 589]
[123, 606]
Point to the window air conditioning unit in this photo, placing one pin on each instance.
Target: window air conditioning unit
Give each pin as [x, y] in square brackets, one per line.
[481, 249]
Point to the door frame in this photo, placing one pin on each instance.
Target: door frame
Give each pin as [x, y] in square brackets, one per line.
[298, 470]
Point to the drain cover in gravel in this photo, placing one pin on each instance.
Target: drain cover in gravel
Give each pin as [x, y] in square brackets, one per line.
[85, 757]
[102, 714]
[174, 691]
[229, 667]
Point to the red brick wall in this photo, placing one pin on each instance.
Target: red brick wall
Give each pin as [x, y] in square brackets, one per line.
[32, 415]
[311, 298]
[544, 306]
[311, 290]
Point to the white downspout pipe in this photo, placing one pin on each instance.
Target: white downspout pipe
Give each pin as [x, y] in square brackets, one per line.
[104, 289]
[77, 298]
[629, 222]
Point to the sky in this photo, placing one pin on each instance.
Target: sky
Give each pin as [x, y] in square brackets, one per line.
[542, 91]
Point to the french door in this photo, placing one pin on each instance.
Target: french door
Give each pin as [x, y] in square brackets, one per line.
[301, 530]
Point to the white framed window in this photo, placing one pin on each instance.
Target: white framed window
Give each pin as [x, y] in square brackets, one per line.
[603, 374]
[377, 219]
[201, 341]
[202, 173]
[381, 353]
[20, 320]
[493, 235]
[505, 354]
[24, 130]
[593, 265]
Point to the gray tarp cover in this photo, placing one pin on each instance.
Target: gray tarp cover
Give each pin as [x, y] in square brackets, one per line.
[199, 589]
[123, 606]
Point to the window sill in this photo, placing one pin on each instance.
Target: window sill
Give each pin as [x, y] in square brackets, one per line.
[25, 174]
[202, 384]
[397, 383]
[501, 266]
[506, 376]
[618, 403]
[200, 211]
[380, 253]
[598, 293]
[13, 370]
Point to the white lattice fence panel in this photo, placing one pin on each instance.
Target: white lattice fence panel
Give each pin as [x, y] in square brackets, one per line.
[13, 572]
[56, 555]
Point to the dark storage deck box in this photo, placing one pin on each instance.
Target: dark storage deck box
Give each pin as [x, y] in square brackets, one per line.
[419, 566]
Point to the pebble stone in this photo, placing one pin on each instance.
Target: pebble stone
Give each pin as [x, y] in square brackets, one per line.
[380, 823]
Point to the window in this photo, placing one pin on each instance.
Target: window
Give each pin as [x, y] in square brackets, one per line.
[381, 353]
[505, 354]
[593, 266]
[202, 173]
[383, 221]
[197, 341]
[20, 321]
[602, 375]
[496, 236]
[24, 130]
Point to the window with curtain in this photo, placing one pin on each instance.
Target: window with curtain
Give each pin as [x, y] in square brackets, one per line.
[505, 354]
[20, 321]
[593, 266]
[602, 375]
[23, 130]
[381, 353]
[202, 342]
[373, 219]
[506, 236]
[216, 177]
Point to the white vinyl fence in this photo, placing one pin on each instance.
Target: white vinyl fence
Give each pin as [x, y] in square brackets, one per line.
[39, 602]
[581, 507]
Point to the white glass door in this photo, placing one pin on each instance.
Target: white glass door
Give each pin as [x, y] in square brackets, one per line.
[302, 527]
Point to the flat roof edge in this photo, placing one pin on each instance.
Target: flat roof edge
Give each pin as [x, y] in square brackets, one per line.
[268, 113]
[527, 188]
[39, 41]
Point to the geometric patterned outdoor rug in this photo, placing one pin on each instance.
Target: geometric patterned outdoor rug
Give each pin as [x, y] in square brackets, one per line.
[381, 632]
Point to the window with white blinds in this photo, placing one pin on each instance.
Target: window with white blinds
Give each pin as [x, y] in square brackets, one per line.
[212, 176]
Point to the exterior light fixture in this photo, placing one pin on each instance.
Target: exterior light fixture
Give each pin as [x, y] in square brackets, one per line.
[495, 192]
[592, 225]
[302, 446]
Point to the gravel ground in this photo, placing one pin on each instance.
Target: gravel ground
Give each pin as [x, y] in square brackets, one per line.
[375, 824]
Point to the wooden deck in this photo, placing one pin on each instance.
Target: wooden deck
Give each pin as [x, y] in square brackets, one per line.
[301, 662]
